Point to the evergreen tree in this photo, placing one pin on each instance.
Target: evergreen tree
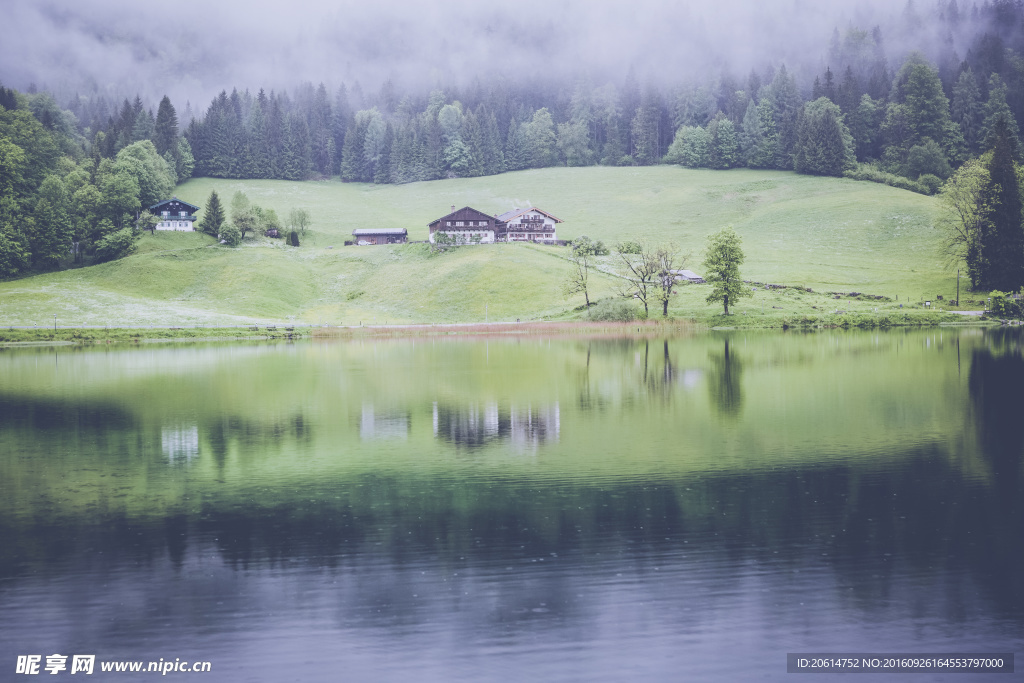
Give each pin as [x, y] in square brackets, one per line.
[824, 145]
[493, 156]
[321, 133]
[260, 162]
[515, 155]
[382, 172]
[724, 143]
[786, 106]
[352, 154]
[997, 109]
[296, 152]
[1002, 245]
[966, 109]
[849, 92]
[165, 134]
[213, 217]
[144, 128]
[539, 140]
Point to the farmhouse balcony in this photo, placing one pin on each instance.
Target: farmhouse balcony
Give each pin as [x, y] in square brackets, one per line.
[531, 227]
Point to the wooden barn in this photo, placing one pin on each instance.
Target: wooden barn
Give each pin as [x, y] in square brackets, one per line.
[364, 236]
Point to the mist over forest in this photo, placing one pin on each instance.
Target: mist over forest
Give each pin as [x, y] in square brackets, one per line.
[136, 99]
[196, 49]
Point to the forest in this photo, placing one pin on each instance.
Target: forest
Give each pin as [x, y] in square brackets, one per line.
[908, 111]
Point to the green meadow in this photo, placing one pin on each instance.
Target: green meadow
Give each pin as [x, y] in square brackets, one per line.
[826, 234]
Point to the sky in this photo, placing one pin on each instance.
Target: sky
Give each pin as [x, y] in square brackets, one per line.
[192, 49]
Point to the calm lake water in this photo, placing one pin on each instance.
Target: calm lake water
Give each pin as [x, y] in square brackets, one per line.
[514, 509]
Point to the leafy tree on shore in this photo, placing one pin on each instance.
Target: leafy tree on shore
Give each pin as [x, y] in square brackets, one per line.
[723, 256]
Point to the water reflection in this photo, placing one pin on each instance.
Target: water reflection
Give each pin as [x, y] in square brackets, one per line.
[477, 425]
[875, 507]
[383, 425]
[180, 443]
[725, 385]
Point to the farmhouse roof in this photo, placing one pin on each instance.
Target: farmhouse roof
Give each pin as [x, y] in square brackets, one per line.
[467, 213]
[515, 213]
[174, 201]
[362, 232]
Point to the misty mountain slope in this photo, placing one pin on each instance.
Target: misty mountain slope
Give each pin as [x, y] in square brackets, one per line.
[824, 233]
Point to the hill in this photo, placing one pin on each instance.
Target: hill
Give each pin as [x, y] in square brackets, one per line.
[825, 233]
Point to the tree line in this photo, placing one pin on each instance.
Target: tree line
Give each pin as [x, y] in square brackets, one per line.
[66, 200]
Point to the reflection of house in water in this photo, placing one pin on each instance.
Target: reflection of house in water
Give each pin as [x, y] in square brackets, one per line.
[470, 426]
[474, 426]
[180, 443]
[531, 426]
[374, 425]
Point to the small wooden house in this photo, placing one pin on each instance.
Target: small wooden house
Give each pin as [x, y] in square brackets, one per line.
[687, 276]
[365, 236]
[174, 214]
[468, 226]
[529, 225]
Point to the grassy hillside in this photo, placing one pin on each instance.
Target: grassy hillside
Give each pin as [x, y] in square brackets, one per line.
[824, 233]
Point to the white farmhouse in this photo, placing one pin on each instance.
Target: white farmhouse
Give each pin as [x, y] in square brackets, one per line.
[529, 225]
[174, 214]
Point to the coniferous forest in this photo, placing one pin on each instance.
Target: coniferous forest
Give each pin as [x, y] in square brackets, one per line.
[906, 109]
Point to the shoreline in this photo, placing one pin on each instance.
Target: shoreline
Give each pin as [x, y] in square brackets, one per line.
[81, 336]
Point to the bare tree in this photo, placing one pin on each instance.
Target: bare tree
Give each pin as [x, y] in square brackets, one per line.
[669, 262]
[651, 274]
[641, 278]
[582, 251]
[576, 283]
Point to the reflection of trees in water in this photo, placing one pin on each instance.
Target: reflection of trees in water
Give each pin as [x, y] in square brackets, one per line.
[868, 526]
[218, 432]
[996, 385]
[476, 425]
[725, 385]
[657, 373]
[377, 424]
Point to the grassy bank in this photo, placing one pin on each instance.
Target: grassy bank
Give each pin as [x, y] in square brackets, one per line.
[823, 234]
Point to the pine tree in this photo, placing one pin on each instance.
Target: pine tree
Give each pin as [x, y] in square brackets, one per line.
[824, 145]
[724, 143]
[165, 135]
[997, 109]
[213, 217]
[351, 155]
[515, 157]
[751, 137]
[966, 108]
[1002, 246]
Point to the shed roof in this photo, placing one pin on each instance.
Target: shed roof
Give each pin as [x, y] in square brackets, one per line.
[362, 232]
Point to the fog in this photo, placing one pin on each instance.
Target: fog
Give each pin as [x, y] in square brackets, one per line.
[192, 49]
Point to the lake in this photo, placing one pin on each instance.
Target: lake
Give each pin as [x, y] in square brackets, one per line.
[508, 509]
